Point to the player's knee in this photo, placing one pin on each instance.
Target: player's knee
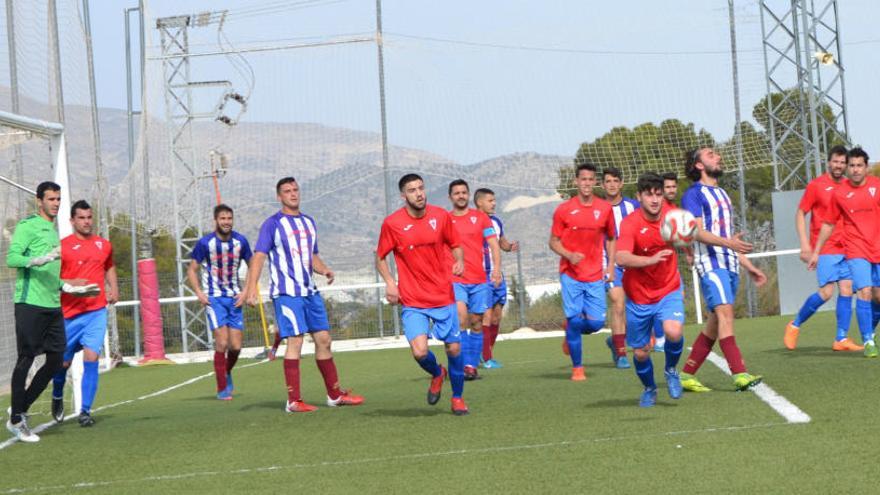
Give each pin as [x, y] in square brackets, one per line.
[220, 346]
[864, 293]
[826, 291]
[642, 353]
[24, 363]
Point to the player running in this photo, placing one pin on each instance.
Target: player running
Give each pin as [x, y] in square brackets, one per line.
[612, 184]
[219, 256]
[832, 266]
[289, 239]
[855, 209]
[582, 227]
[421, 237]
[87, 256]
[653, 289]
[484, 200]
[718, 257]
[473, 293]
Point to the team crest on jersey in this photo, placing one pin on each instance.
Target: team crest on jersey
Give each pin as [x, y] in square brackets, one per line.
[433, 223]
[99, 245]
[872, 190]
[596, 214]
[474, 219]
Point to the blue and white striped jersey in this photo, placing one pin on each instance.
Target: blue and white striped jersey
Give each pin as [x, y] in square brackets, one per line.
[220, 261]
[498, 225]
[713, 206]
[290, 241]
[619, 211]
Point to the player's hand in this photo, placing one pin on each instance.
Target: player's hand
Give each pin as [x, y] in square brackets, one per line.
[391, 293]
[458, 268]
[495, 277]
[661, 256]
[203, 299]
[514, 246]
[250, 296]
[740, 246]
[814, 260]
[758, 277]
[806, 254]
[574, 258]
[331, 276]
[611, 273]
[46, 258]
[112, 296]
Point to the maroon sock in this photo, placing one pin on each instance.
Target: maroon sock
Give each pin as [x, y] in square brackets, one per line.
[494, 331]
[487, 342]
[700, 350]
[619, 343]
[231, 359]
[331, 378]
[220, 370]
[732, 354]
[277, 342]
[291, 378]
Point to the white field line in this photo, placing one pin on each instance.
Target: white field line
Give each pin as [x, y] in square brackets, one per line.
[391, 458]
[49, 424]
[789, 411]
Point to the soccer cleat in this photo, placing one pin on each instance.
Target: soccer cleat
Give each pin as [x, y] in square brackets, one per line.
[459, 408]
[659, 347]
[745, 381]
[85, 419]
[229, 387]
[846, 345]
[271, 354]
[691, 384]
[648, 398]
[346, 399]
[436, 387]
[21, 431]
[58, 409]
[224, 394]
[791, 336]
[578, 375]
[611, 348]
[622, 363]
[492, 364]
[299, 407]
[871, 350]
[673, 384]
[470, 374]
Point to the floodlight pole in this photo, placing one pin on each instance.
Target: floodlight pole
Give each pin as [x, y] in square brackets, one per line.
[13, 93]
[132, 204]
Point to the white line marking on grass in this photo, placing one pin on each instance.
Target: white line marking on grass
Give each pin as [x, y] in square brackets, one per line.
[391, 458]
[789, 411]
[49, 424]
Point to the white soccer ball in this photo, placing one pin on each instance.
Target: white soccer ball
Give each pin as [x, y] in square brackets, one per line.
[679, 228]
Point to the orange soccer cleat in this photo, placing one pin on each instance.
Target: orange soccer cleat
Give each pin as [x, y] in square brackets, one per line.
[299, 407]
[578, 375]
[436, 387]
[846, 345]
[459, 408]
[791, 336]
[346, 399]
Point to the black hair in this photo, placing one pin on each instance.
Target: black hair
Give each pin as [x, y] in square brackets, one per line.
[837, 150]
[221, 208]
[584, 166]
[285, 180]
[613, 172]
[79, 205]
[669, 176]
[691, 158]
[46, 186]
[479, 193]
[649, 181]
[458, 182]
[857, 152]
[406, 179]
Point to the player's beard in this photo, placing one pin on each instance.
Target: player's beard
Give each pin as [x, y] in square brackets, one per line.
[715, 173]
[415, 206]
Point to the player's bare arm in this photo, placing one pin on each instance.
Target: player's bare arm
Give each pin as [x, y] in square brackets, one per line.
[800, 224]
[627, 259]
[610, 248]
[391, 293]
[824, 234]
[508, 246]
[321, 268]
[556, 246]
[458, 265]
[495, 252]
[736, 243]
[113, 282]
[251, 295]
[192, 276]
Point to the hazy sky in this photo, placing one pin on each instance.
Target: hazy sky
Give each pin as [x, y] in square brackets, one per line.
[470, 80]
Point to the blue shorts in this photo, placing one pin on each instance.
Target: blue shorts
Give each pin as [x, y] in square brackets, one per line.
[864, 273]
[298, 315]
[85, 330]
[640, 317]
[221, 312]
[831, 268]
[417, 321]
[719, 287]
[618, 279]
[586, 298]
[475, 296]
[499, 294]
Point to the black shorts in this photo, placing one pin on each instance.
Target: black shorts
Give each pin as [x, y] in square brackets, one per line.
[39, 330]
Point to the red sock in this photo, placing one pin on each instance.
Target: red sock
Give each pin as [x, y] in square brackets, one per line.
[220, 370]
[331, 378]
[231, 359]
[487, 342]
[732, 354]
[700, 350]
[619, 343]
[277, 342]
[494, 331]
[291, 378]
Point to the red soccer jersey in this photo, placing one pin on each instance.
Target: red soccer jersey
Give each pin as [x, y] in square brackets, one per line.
[472, 227]
[857, 210]
[421, 249]
[583, 229]
[88, 259]
[817, 201]
[649, 284]
[666, 206]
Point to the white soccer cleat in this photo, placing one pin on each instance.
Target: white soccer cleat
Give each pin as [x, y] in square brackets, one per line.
[21, 431]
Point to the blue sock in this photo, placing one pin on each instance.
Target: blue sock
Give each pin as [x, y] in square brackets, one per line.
[89, 385]
[476, 348]
[810, 306]
[456, 374]
[673, 353]
[645, 372]
[429, 364]
[864, 316]
[573, 338]
[58, 383]
[844, 316]
[466, 343]
[658, 328]
[875, 309]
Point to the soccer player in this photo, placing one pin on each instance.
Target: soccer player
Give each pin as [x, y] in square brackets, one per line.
[670, 189]
[39, 323]
[87, 256]
[219, 256]
[718, 257]
[421, 237]
[289, 239]
[484, 200]
[653, 289]
[855, 208]
[473, 293]
[832, 265]
[612, 184]
[582, 227]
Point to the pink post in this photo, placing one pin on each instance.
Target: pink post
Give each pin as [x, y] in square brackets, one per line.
[151, 314]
